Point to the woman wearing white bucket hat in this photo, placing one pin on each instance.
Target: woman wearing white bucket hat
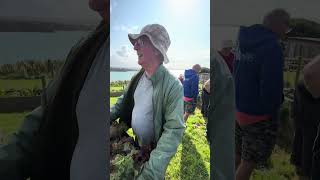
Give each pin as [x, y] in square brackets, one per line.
[152, 104]
[158, 36]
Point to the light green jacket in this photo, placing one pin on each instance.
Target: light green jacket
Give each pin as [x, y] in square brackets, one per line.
[168, 120]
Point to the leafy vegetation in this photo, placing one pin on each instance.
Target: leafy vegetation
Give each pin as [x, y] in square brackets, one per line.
[124, 164]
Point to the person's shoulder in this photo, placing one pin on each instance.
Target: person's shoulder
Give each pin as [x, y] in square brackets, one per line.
[219, 65]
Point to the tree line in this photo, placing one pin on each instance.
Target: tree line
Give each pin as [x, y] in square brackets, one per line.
[30, 69]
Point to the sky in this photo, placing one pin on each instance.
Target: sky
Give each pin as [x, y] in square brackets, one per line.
[187, 22]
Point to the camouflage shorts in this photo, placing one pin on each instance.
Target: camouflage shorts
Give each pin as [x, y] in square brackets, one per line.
[190, 107]
[255, 142]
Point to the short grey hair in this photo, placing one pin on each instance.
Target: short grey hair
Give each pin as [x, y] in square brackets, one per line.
[276, 17]
[196, 67]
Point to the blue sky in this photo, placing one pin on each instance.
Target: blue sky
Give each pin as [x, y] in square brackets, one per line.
[187, 22]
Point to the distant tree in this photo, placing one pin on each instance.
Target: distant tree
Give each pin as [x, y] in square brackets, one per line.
[7, 68]
[31, 68]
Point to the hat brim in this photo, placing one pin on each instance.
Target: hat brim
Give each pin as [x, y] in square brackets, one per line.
[165, 58]
[134, 37]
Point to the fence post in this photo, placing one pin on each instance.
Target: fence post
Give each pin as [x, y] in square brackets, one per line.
[50, 68]
[43, 82]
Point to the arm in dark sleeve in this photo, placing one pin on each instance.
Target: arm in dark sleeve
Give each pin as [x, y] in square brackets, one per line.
[195, 87]
[15, 156]
[271, 81]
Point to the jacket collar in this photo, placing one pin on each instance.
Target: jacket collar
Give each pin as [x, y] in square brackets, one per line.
[158, 75]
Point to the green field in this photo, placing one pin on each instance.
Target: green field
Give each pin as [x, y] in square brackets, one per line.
[116, 88]
[280, 167]
[9, 123]
[192, 160]
[20, 84]
[113, 100]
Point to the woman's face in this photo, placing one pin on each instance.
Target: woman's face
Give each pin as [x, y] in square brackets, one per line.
[145, 51]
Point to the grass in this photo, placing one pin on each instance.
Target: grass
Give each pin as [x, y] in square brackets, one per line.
[116, 88]
[113, 100]
[280, 169]
[20, 84]
[9, 123]
[290, 77]
[192, 160]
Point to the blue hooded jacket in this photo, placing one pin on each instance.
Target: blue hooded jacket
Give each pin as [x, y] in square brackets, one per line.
[258, 71]
[191, 84]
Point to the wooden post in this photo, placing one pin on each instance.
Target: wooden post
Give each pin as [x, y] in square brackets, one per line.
[43, 82]
[50, 68]
[43, 92]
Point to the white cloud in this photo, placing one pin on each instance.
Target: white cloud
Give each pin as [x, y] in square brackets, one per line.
[123, 57]
[127, 29]
[123, 52]
[180, 60]
[113, 4]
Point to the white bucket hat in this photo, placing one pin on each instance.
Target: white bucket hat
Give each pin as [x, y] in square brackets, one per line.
[158, 36]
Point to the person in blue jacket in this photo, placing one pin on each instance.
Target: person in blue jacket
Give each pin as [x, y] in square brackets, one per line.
[191, 90]
[258, 76]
